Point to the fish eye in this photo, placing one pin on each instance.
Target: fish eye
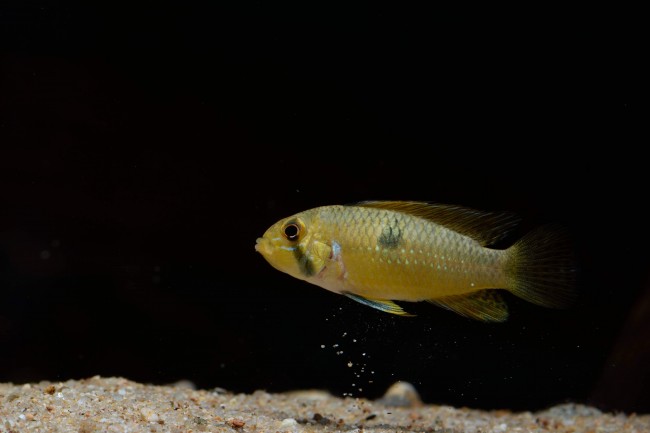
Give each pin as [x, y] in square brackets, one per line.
[291, 231]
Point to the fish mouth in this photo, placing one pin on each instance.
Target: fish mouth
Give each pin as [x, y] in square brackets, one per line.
[259, 245]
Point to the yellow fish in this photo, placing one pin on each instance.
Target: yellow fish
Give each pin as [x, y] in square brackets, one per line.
[377, 252]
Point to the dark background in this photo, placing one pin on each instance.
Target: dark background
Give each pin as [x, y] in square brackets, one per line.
[145, 146]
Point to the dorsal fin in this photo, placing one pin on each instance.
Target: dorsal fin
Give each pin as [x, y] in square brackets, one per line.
[486, 228]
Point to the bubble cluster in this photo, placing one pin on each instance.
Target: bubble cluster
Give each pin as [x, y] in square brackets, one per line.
[359, 369]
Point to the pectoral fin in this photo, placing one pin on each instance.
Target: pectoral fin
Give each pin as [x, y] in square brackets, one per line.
[485, 305]
[380, 304]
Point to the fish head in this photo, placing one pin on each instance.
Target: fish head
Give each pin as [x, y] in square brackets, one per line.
[285, 245]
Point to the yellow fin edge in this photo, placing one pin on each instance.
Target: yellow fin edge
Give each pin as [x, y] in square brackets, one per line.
[380, 304]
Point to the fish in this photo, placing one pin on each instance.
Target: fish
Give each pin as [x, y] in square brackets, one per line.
[382, 252]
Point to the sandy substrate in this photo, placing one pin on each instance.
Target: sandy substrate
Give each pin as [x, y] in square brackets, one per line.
[119, 405]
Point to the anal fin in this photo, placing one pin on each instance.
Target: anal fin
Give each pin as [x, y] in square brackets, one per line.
[379, 304]
[485, 305]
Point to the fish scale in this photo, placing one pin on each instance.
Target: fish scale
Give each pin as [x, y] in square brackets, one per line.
[427, 258]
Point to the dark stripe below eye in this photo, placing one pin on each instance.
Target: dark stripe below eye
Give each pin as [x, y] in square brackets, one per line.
[306, 266]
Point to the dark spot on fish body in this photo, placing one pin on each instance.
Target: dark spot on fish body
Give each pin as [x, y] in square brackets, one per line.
[391, 236]
[305, 264]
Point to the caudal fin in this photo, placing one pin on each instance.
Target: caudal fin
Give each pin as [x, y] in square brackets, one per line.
[542, 268]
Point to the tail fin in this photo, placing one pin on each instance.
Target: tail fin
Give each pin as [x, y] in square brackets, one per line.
[542, 267]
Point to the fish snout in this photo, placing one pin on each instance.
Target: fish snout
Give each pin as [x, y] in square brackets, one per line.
[261, 246]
